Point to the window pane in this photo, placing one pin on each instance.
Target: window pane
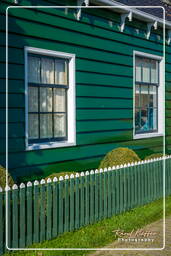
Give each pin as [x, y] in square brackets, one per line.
[146, 70]
[59, 99]
[153, 96]
[154, 71]
[47, 71]
[144, 120]
[33, 99]
[33, 69]
[46, 126]
[45, 99]
[152, 118]
[138, 62]
[59, 125]
[60, 72]
[33, 130]
[144, 97]
[137, 96]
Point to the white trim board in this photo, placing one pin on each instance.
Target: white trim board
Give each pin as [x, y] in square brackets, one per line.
[71, 112]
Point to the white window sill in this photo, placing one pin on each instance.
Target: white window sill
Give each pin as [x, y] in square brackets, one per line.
[48, 145]
[147, 135]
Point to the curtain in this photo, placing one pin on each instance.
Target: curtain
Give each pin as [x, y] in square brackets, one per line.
[47, 71]
[33, 69]
[60, 72]
[60, 125]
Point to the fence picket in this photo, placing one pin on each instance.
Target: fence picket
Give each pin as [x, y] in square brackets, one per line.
[96, 195]
[101, 194]
[92, 213]
[43, 209]
[105, 192]
[15, 216]
[36, 212]
[2, 221]
[60, 208]
[82, 199]
[66, 184]
[55, 207]
[9, 237]
[77, 202]
[109, 192]
[87, 198]
[72, 202]
[29, 203]
[22, 242]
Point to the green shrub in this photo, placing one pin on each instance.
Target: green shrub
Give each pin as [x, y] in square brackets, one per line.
[155, 155]
[3, 178]
[119, 156]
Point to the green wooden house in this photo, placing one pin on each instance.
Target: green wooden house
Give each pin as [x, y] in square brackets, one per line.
[79, 82]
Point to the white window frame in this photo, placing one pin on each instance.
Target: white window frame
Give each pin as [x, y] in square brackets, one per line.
[161, 101]
[71, 112]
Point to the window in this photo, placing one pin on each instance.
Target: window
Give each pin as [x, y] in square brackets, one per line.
[148, 86]
[50, 98]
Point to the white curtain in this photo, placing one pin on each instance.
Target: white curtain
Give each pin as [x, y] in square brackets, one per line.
[33, 132]
[47, 71]
[154, 71]
[138, 69]
[33, 69]
[146, 71]
[60, 72]
[45, 99]
[59, 100]
[46, 126]
[33, 99]
[59, 125]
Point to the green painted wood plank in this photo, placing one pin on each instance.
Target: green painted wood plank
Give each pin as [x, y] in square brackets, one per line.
[2, 222]
[105, 180]
[36, 212]
[109, 192]
[15, 242]
[87, 198]
[82, 200]
[43, 206]
[92, 196]
[29, 230]
[72, 202]
[66, 199]
[60, 207]
[49, 210]
[96, 187]
[55, 207]
[101, 194]
[22, 216]
[77, 202]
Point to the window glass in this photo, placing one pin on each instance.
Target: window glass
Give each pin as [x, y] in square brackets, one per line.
[138, 63]
[33, 126]
[60, 72]
[45, 99]
[146, 93]
[46, 126]
[146, 70]
[47, 93]
[59, 100]
[47, 71]
[33, 99]
[33, 69]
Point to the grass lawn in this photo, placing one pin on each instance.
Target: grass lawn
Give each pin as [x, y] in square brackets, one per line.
[100, 234]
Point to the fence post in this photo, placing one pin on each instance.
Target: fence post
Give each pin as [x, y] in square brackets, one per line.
[49, 209]
[55, 207]
[77, 202]
[15, 216]
[43, 209]
[22, 216]
[36, 211]
[72, 202]
[29, 239]
[61, 219]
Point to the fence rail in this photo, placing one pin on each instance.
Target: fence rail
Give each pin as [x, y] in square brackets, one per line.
[42, 211]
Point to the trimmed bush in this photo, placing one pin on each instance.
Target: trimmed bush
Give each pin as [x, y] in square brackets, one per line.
[3, 178]
[152, 156]
[119, 156]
